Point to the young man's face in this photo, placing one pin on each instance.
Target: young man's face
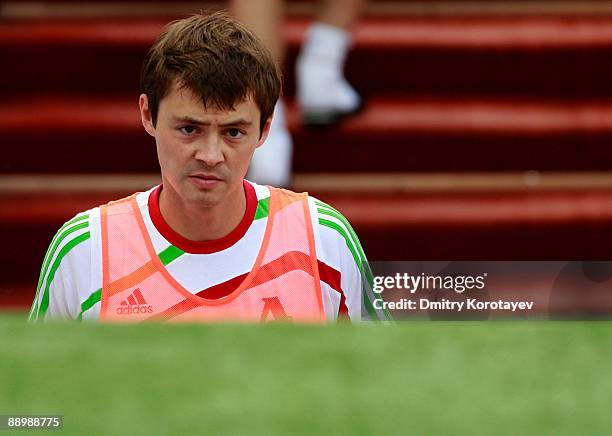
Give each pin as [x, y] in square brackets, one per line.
[204, 153]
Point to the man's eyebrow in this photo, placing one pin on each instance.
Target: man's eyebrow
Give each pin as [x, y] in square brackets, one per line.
[192, 120]
[238, 122]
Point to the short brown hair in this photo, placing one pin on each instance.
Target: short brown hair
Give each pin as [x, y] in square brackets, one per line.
[215, 57]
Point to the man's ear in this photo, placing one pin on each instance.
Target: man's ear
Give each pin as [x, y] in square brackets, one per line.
[145, 114]
[265, 132]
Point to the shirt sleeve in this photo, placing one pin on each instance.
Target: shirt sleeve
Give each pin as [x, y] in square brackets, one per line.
[65, 270]
[340, 248]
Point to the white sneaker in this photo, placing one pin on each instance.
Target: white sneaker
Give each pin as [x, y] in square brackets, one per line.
[271, 163]
[323, 93]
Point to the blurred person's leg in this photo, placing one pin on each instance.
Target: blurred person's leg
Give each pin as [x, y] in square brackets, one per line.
[322, 91]
[271, 163]
[265, 18]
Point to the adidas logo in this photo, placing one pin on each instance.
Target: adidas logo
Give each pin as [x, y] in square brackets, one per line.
[134, 303]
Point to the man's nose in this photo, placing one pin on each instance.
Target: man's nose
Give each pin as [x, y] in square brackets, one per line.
[209, 150]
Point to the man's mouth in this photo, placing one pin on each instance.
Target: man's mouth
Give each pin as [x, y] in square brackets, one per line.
[204, 176]
[205, 181]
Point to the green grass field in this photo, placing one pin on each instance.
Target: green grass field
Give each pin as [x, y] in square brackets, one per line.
[420, 378]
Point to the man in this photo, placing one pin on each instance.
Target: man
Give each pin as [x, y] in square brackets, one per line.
[206, 244]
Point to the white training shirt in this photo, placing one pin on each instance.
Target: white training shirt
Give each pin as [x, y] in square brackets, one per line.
[71, 275]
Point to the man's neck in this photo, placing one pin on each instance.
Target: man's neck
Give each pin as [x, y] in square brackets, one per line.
[198, 222]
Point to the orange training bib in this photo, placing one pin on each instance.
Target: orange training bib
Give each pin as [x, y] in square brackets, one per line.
[283, 284]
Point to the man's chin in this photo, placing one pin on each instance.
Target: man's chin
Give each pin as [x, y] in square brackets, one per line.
[210, 196]
[206, 198]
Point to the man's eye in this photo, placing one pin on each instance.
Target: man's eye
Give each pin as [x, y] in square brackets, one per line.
[188, 130]
[234, 133]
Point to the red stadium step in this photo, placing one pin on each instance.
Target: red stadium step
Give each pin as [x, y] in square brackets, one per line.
[86, 134]
[464, 135]
[393, 8]
[493, 227]
[538, 56]
[17, 296]
[533, 33]
[564, 220]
